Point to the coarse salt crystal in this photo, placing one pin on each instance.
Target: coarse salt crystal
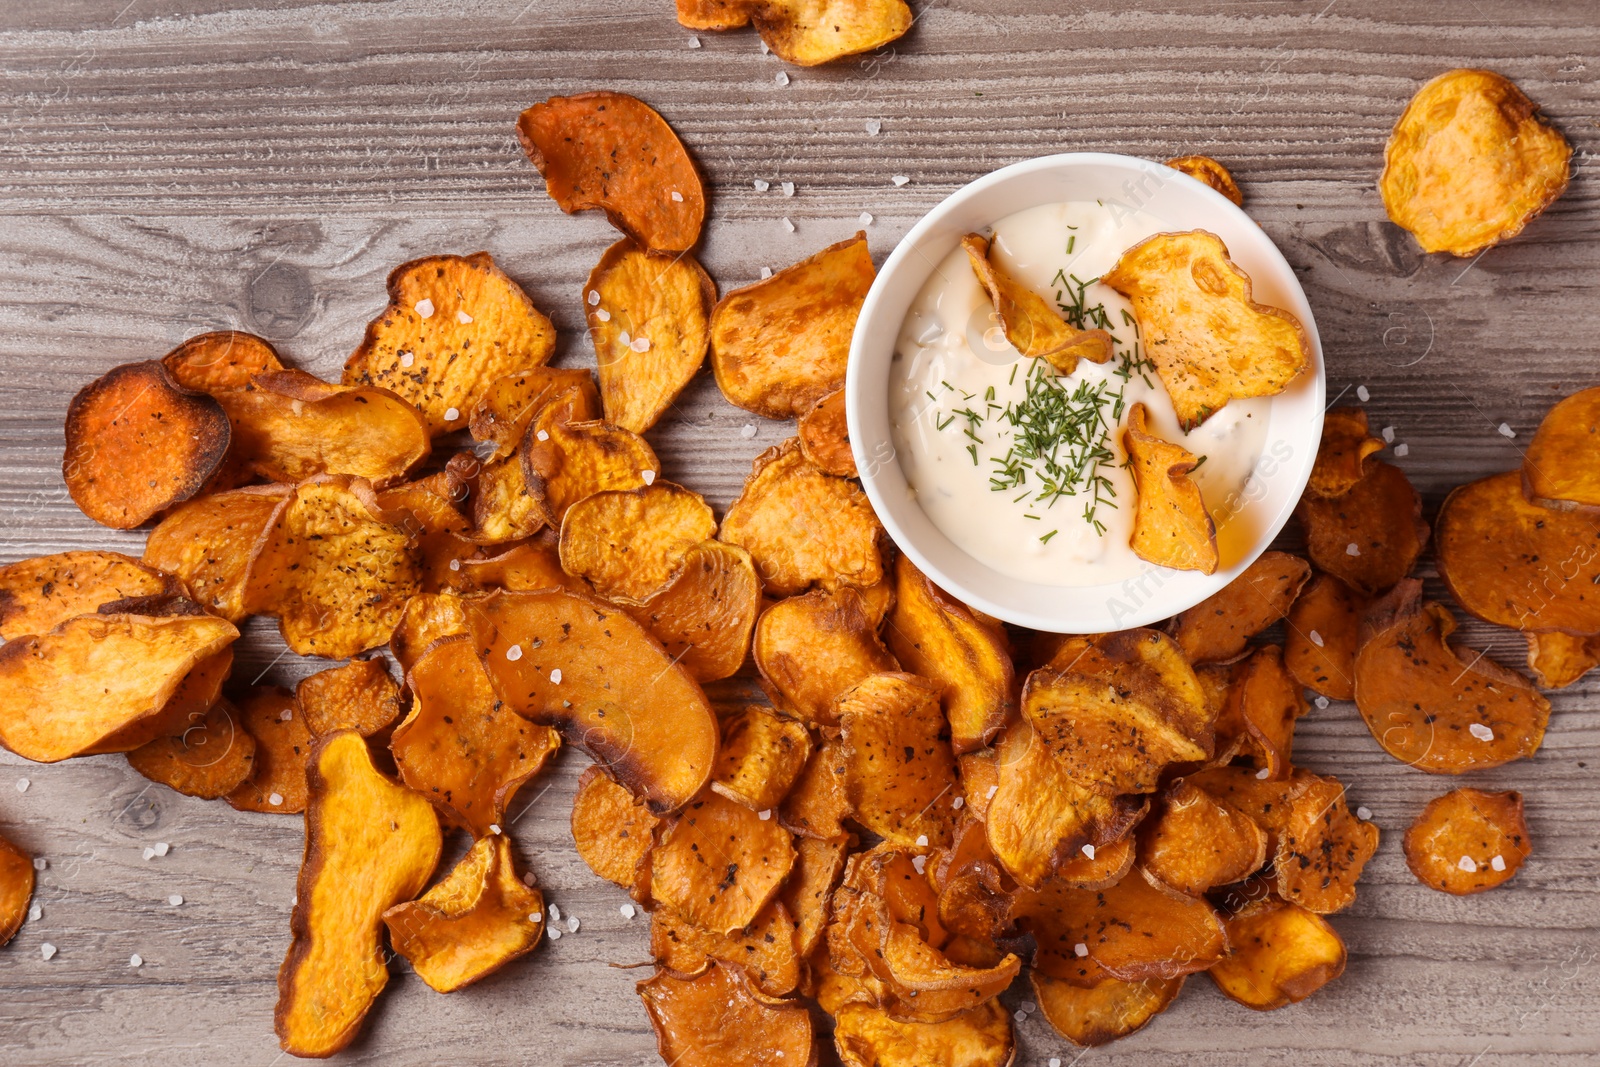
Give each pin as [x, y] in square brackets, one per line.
[175, 900]
[1080, 950]
[1468, 864]
[452, 414]
[555, 914]
[602, 314]
[1388, 434]
[648, 476]
[514, 653]
[22, 785]
[627, 911]
[1029, 1006]
[919, 862]
[1364, 813]
[866, 218]
[149, 853]
[993, 789]
[573, 924]
[1321, 702]
[47, 950]
[162, 848]
[1055, 1061]
[455, 564]
[788, 188]
[625, 338]
[1363, 394]
[640, 344]
[766, 272]
[35, 913]
[873, 127]
[593, 297]
[1498, 863]
[677, 197]
[135, 960]
[922, 840]
[297, 406]
[462, 317]
[1264, 773]
[787, 224]
[425, 308]
[276, 800]
[494, 828]
[1020, 1016]
[554, 932]
[407, 358]
[694, 42]
[1507, 431]
[536, 916]
[764, 814]
[1352, 549]
[958, 803]
[543, 435]
[555, 676]
[286, 715]
[1481, 732]
[41, 864]
[748, 431]
[900, 179]
[1402, 451]
[1316, 638]
[762, 185]
[529, 879]
[1088, 850]
[765, 50]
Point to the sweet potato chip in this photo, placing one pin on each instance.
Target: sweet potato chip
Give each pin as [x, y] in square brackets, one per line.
[824, 434]
[371, 843]
[1468, 841]
[780, 345]
[565, 660]
[1323, 630]
[1470, 162]
[1278, 954]
[1557, 660]
[200, 689]
[817, 805]
[818, 863]
[504, 507]
[426, 618]
[1342, 455]
[650, 321]
[1039, 818]
[1194, 842]
[614, 831]
[704, 616]
[719, 863]
[1518, 564]
[812, 648]
[1208, 171]
[866, 1036]
[717, 1019]
[39, 594]
[209, 542]
[1370, 537]
[935, 635]
[628, 542]
[527, 567]
[974, 893]
[360, 696]
[1265, 801]
[330, 569]
[765, 951]
[1137, 930]
[97, 677]
[222, 360]
[610, 151]
[138, 443]
[508, 406]
[1171, 526]
[805, 33]
[802, 526]
[1267, 700]
[1031, 325]
[980, 778]
[1218, 629]
[564, 461]
[454, 325]
[1430, 707]
[16, 889]
[471, 924]
[1102, 1013]
[900, 774]
[461, 747]
[209, 757]
[1210, 342]
[1322, 848]
[761, 757]
[277, 782]
[1558, 469]
[1122, 707]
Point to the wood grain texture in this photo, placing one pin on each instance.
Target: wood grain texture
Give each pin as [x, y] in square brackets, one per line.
[262, 167]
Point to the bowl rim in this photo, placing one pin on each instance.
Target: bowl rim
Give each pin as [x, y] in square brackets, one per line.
[1076, 609]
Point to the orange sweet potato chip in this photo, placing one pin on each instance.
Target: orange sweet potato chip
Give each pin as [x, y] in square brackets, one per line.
[1557, 468]
[780, 345]
[1089, 1016]
[1370, 537]
[1468, 841]
[39, 594]
[1267, 700]
[1217, 629]
[471, 924]
[628, 542]
[1323, 630]
[1517, 564]
[610, 151]
[426, 618]
[95, 678]
[454, 325]
[717, 1018]
[16, 889]
[1557, 659]
[460, 746]
[803, 33]
[1429, 706]
[817, 806]
[824, 434]
[719, 863]
[525, 568]
[935, 635]
[222, 360]
[1194, 842]
[1031, 325]
[277, 782]
[200, 689]
[564, 460]
[504, 507]
[1208, 171]
[802, 526]
[866, 1036]
[1171, 526]
[650, 320]
[1120, 708]
[808, 893]
[812, 648]
[508, 406]
[761, 757]
[1210, 342]
[371, 843]
[333, 572]
[360, 696]
[614, 832]
[1278, 954]
[1470, 162]
[704, 616]
[765, 951]
[900, 774]
[980, 777]
[138, 442]
[566, 660]
[1322, 848]
[209, 757]
[1342, 455]
[1265, 801]
[208, 542]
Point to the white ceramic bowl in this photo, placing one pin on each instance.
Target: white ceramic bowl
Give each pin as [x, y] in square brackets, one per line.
[1293, 430]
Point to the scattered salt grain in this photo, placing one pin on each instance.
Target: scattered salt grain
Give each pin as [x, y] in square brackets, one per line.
[627, 910]
[1507, 431]
[425, 308]
[1088, 850]
[514, 653]
[765, 50]
[1402, 451]
[1363, 394]
[958, 803]
[1364, 813]
[788, 225]
[41, 864]
[536, 916]
[788, 188]
[455, 564]
[47, 950]
[529, 879]
[1481, 732]
[1029, 1006]
[1468, 864]
[677, 197]
[149, 853]
[782, 78]
[866, 218]
[452, 414]
[1388, 434]
[494, 828]
[873, 127]
[555, 676]
[900, 179]
[162, 848]
[922, 840]
[648, 476]
[297, 406]
[919, 862]
[276, 800]
[35, 913]
[1316, 638]
[766, 272]
[1264, 773]
[748, 431]
[462, 317]
[1498, 863]
[135, 960]
[407, 358]
[555, 914]
[1321, 702]
[1352, 549]
[694, 42]
[1055, 1061]
[640, 344]
[761, 185]
[175, 900]
[602, 314]
[22, 785]
[594, 297]
[1080, 950]
[993, 789]
[764, 814]
[625, 338]
[554, 932]
[543, 435]
[573, 924]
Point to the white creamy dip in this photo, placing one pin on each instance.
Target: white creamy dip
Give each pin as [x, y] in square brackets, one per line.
[954, 376]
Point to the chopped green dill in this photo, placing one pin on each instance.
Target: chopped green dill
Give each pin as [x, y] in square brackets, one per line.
[1013, 379]
[1031, 515]
[1061, 438]
[931, 396]
[972, 450]
[1072, 239]
[1045, 540]
[1201, 462]
[988, 394]
[948, 419]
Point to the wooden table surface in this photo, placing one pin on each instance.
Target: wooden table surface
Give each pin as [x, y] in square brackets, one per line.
[174, 166]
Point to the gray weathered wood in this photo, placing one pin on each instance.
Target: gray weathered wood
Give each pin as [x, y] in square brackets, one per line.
[263, 166]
